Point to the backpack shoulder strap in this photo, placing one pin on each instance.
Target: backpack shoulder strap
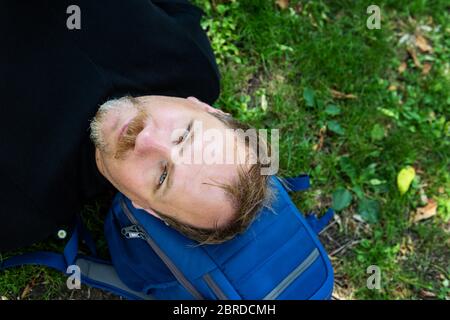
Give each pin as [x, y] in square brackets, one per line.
[298, 183]
[301, 183]
[93, 271]
[53, 260]
[318, 224]
[102, 275]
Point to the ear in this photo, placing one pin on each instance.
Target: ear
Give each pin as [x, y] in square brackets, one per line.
[153, 213]
[206, 107]
[100, 164]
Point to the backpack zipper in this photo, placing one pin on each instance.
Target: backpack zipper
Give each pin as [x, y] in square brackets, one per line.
[132, 232]
[291, 277]
[138, 232]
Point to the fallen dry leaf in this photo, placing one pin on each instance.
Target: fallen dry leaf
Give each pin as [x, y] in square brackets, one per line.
[28, 288]
[423, 196]
[25, 292]
[406, 247]
[426, 68]
[358, 218]
[426, 212]
[419, 170]
[299, 8]
[392, 87]
[422, 44]
[427, 294]
[406, 39]
[283, 4]
[319, 145]
[340, 95]
[402, 67]
[413, 54]
[280, 78]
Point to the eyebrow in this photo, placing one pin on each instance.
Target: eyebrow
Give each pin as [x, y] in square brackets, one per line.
[172, 166]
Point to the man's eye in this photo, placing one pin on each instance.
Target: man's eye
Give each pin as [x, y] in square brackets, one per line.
[185, 134]
[163, 175]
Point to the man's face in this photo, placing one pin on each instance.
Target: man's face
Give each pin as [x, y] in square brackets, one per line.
[135, 142]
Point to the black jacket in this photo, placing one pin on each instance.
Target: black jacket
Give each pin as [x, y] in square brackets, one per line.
[52, 81]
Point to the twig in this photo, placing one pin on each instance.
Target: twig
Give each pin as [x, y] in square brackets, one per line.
[327, 227]
[345, 246]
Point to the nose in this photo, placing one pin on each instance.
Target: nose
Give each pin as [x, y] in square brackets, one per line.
[152, 140]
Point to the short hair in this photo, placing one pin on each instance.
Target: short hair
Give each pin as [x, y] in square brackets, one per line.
[249, 193]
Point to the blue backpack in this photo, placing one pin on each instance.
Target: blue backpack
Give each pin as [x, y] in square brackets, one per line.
[278, 257]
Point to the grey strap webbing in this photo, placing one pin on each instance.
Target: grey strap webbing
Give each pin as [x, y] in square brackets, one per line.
[106, 274]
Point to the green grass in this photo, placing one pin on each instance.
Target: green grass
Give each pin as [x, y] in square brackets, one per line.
[278, 67]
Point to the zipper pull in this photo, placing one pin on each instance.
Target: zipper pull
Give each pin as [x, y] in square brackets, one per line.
[133, 232]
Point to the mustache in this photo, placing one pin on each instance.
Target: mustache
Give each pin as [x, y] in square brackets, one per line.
[128, 139]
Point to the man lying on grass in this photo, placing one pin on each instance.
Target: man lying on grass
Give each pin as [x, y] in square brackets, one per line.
[54, 79]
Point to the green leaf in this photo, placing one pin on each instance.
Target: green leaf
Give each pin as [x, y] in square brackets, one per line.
[374, 154]
[308, 95]
[369, 210]
[375, 182]
[358, 191]
[389, 113]
[319, 104]
[404, 179]
[341, 199]
[332, 110]
[347, 166]
[377, 132]
[335, 127]
[368, 172]
[221, 9]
